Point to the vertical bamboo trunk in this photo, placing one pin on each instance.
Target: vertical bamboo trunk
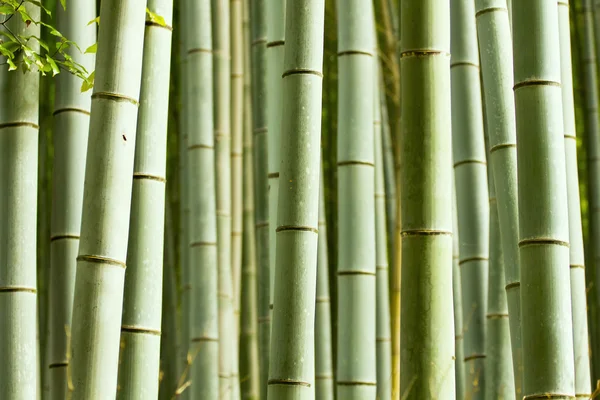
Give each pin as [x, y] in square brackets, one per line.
[389, 180]
[72, 120]
[459, 364]
[356, 335]
[275, 34]
[101, 263]
[18, 184]
[222, 112]
[547, 333]
[141, 323]
[261, 188]
[471, 191]
[203, 312]
[291, 368]
[493, 28]
[427, 343]
[237, 122]
[581, 355]
[383, 327]
[249, 366]
[324, 385]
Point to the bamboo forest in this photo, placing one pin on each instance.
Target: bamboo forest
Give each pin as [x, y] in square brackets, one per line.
[299, 200]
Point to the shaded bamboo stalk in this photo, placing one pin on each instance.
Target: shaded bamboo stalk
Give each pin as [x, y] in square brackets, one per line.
[19, 130]
[72, 120]
[459, 364]
[102, 253]
[292, 364]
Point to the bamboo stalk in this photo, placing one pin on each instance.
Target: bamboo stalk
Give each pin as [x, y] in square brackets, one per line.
[19, 129]
[72, 120]
[291, 368]
[547, 333]
[102, 253]
[459, 365]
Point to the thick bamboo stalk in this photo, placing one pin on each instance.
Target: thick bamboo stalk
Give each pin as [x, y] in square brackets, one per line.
[141, 322]
[581, 354]
[356, 272]
[249, 365]
[547, 333]
[204, 267]
[72, 121]
[19, 129]
[383, 327]
[292, 364]
[275, 34]
[493, 28]
[324, 385]
[427, 339]
[459, 364]
[102, 253]
[261, 188]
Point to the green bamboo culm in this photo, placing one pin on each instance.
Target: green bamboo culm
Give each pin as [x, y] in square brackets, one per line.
[101, 264]
[459, 364]
[292, 364]
[383, 327]
[203, 312]
[258, 67]
[19, 119]
[275, 34]
[324, 386]
[592, 140]
[471, 191]
[581, 354]
[141, 323]
[389, 177]
[547, 333]
[72, 121]
[356, 334]
[427, 326]
[493, 28]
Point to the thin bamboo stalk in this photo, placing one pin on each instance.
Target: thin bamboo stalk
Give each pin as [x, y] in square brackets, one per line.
[459, 364]
[72, 121]
[292, 364]
[389, 181]
[427, 340]
[547, 332]
[139, 367]
[383, 328]
[102, 253]
[19, 129]
[493, 28]
[324, 385]
[261, 188]
[204, 265]
[581, 355]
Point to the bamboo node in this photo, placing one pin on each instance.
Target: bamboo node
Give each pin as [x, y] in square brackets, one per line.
[258, 41]
[284, 228]
[276, 43]
[570, 136]
[502, 146]
[548, 396]
[101, 260]
[583, 395]
[290, 382]
[425, 232]
[263, 319]
[64, 236]
[204, 339]
[263, 129]
[141, 175]
[19, 124]
[562, 3]
[512, 285]
[356, 272]
[383, 267]
[157, 25]
[354, 53]
[273, 175]
[140, 329]
[490, 9]
[302, 71]
[383, 339]
[199, 50]
[577, 266]
[322, 299]
[464, 162]
[15, 289]
[263, 224]
[540, 241]
[423, 53]
[202, 244]
[464, 64]
[70, 109]
[115, 97]
[535, 82]
[201, 146]
[469, 259]
[355, 162]
[61, 364]
[496, 316]
[474, 357]
[356, 383]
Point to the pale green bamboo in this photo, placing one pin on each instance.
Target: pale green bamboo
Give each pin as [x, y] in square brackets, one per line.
[222, 112]
[581, 354]
[203, 313]
[19, 129]
[261, 189]
[357, 66]
[292, 364]
[275, 19]
[324, 385]
[383, 327]
[471, 191]
[237, 121]
[427, 339]
[142, 304]
[72, 121]
[389, 180]
[249, 366]
[101, 264]
[493, 28]
[547, 334]
[459, 364]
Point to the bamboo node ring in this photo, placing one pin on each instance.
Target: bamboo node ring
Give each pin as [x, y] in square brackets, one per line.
[288, 382]
[101, 260]
[300, 228]
[115, 97]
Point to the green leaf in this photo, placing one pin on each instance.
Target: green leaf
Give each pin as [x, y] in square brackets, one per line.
[11, 64]
[40, 5]
[63, 3]
[88, 83]
[53, 31]
[92, 49]
[53, 66]
[96, 20]
[6, 9]
[153, 17]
